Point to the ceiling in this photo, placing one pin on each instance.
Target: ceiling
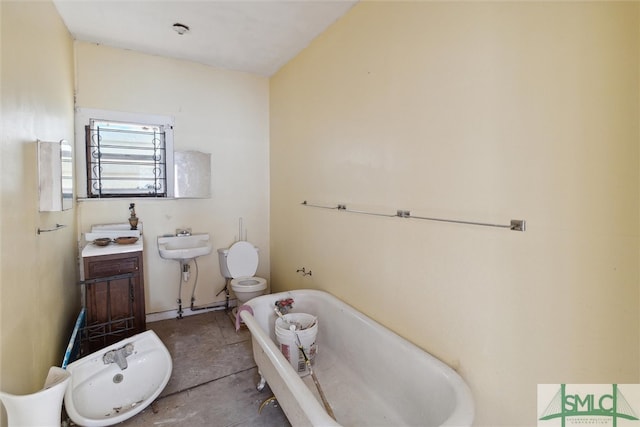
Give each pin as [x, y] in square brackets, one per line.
[253, 36]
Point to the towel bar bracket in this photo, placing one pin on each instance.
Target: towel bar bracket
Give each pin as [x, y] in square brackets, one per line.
[518, 225]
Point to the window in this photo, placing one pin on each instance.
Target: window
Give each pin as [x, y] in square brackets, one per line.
[127, 155]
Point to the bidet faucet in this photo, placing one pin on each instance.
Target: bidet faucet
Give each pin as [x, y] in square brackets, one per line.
[118, 356]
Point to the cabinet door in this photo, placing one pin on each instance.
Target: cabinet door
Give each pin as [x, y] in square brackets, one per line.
[111, 302]
[115, 305]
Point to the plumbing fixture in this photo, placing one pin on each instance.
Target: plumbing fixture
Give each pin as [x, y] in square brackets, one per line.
[284, 305]
[183, 232]
[193, 295]
[118, 356]
[179, 300]
[266, 402]
[303, 271]
[41, 408]
[185, 270]
[102, 395]
[227, 295]
[239, 264]
[185, 247]
[185, 278]
[181, 29]
[242, 233]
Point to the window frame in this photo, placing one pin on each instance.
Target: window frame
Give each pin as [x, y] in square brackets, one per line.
[83, 118]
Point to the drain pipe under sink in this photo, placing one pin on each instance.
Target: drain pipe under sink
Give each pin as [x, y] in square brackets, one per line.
[185, 275]
[193, 293]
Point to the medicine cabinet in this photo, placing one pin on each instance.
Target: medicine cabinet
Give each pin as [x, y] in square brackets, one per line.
[55, 175]
[192, 174]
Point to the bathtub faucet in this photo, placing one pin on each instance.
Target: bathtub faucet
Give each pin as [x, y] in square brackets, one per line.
[118, 356]
[284, 305]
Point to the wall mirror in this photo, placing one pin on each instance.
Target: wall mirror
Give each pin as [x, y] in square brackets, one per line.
[55, 175]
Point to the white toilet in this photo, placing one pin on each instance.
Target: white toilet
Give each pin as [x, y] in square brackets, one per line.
[239, 263]
[42, 408]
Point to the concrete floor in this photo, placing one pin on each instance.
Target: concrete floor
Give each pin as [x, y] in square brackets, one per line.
[214, 377]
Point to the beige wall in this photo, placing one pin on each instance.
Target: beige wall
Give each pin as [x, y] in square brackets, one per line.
[467, 110]
[221, 112]
[38, 292]
[482, 112]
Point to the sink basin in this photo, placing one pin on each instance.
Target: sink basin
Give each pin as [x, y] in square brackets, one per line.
[103, 394]
[184, 248]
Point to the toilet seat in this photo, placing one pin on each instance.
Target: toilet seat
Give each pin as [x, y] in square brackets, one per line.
[248, 284]
[242, 262]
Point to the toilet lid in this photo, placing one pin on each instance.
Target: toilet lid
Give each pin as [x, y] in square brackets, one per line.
[242, 260]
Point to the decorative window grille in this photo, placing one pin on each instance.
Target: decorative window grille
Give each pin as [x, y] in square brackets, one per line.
[126, 159]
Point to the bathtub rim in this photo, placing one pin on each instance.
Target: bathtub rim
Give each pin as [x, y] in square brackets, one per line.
[463, 413]
[310, 405]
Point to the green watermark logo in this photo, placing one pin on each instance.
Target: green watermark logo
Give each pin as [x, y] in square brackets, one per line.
[588, 405]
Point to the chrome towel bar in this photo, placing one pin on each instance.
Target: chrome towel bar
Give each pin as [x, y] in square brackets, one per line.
[47, 230]
[514, 225]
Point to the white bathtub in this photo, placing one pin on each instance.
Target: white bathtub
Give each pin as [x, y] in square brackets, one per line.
[369, 375]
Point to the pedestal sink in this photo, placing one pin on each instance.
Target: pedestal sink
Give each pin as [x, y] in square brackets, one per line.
[184, 248]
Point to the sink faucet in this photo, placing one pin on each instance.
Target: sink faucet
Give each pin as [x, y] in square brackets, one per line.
[118, 356]
[183, 232]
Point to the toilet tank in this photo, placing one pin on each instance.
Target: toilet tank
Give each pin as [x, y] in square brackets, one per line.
[222, 259]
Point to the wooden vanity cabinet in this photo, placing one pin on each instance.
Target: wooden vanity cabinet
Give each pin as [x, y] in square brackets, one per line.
[114, 305]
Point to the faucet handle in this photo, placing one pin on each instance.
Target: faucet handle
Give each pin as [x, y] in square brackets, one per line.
[128, 349]
[109, 357]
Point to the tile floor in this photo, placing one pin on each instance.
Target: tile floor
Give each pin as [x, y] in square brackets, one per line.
[214, 377]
